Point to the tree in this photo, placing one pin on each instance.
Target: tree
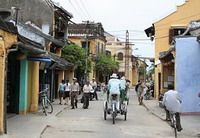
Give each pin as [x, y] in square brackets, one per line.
[76, 55]
[105, 65]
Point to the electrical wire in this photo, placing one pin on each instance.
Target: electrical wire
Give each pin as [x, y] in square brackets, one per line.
[80, 7]
[84, 7]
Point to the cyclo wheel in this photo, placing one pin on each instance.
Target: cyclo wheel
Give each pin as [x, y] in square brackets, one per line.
[49, 107]
[105, 111]
[113, 118]
[44, 106]
[125, 115]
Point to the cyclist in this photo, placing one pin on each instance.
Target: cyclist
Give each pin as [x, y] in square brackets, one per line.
[172, 103]
[114, 88]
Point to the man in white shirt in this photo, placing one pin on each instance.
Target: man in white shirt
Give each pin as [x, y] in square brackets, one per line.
[87, 88]
[172, 103]
[74, 93]
[114, 87]
[93, 83]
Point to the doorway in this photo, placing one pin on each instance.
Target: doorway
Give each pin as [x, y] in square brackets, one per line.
[12, 85]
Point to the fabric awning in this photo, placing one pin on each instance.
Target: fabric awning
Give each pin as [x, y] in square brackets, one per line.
[41, 59]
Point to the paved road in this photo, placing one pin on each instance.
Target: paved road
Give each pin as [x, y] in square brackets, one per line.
[89, 123]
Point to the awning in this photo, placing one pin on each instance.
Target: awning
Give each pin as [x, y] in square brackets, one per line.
[41, 59]
[167, 56]
[26, 45]
[25, 48]
[60, 62]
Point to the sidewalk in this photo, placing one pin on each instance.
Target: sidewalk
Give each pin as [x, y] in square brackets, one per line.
[190, 123]
[31, 125]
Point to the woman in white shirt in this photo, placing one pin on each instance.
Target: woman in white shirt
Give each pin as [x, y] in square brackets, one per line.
[67, 92]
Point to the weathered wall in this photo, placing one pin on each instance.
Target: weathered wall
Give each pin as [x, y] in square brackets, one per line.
[6, 41]
[36, 11]
[188, 73]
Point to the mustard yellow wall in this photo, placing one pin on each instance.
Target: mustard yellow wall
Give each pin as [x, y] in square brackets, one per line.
[115, 49]
[6, 41]
[181, 17]
[33, 86]
[134, 76]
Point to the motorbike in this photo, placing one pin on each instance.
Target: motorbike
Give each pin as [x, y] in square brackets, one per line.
[147, 95]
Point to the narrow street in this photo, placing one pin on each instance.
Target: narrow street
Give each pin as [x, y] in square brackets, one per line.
[90, 123]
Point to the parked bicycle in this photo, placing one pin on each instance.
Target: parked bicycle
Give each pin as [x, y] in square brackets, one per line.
[46, 104]
[173, 122]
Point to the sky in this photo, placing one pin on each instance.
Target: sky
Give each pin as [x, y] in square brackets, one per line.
[117, 16]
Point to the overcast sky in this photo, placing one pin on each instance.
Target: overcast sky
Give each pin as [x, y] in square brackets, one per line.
[117, 16]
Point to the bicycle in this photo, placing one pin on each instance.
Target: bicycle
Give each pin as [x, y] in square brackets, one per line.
[46, 104]
[173, 122]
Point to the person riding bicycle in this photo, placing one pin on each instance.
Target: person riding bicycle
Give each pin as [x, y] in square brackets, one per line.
[114, 88]
[172, 103]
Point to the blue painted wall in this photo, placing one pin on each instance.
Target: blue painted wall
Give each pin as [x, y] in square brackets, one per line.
[23, 86]
[187, 67]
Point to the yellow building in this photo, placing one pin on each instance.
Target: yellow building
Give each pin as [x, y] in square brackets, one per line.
[8, 38]
[165, 30]
[86, 35]
[117, 50]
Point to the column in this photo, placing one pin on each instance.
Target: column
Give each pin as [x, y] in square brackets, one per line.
[34, 86]
[23, 98]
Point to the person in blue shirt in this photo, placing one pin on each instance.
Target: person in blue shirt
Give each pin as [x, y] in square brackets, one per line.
[61, 90]
[114, 87]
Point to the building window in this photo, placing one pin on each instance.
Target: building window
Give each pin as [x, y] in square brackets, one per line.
[83, 43]
[108, 53]
[120, 56]
[175, 32]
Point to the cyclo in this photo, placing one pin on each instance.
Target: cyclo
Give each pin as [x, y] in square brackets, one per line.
[110, 106]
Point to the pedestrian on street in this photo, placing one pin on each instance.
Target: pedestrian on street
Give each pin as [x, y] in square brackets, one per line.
[74, 93]
[172, 103]
[140, 92]
[67, 92]
[61, 90]
[93, 83]
[86, 94]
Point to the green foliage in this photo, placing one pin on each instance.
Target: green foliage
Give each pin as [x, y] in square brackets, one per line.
[76, 55]
[105, 64]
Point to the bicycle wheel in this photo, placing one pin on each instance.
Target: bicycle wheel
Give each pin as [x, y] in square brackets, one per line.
[174, 124]
[44, 106]
[113, 118]
[49, 107]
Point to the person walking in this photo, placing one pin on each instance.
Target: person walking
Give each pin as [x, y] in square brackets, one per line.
[172, 103]
[93, 83]
[61, 90]
[67, 92]
[86, 94]
[74, 93]
[140, 92]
